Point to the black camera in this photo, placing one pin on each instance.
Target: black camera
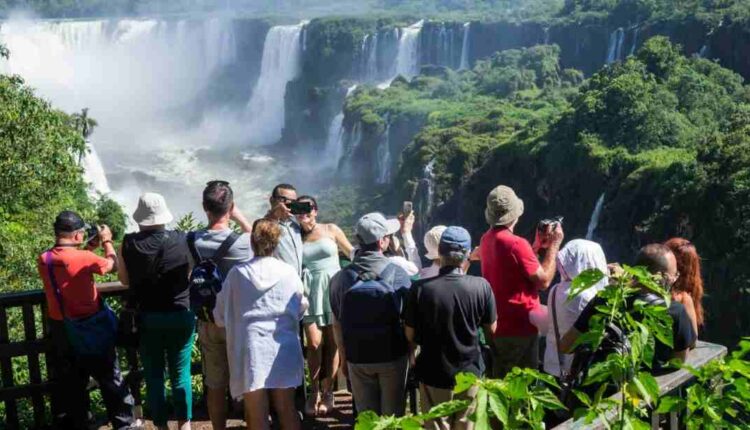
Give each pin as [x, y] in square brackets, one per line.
[92, 233]
[547, 222]
[300, 208]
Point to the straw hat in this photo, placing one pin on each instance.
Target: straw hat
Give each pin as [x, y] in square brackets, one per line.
[152, 210]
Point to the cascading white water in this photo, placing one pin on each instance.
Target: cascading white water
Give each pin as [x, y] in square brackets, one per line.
[465, 47]
[703, 51]
[595, 215]
[94, 172]
[144, 81]
[634, 46]
[384, 155]
[336, 134]
[280, 64]
[614, 50]
[407, 59]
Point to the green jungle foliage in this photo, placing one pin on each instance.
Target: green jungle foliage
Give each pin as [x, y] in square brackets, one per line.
[664, 136]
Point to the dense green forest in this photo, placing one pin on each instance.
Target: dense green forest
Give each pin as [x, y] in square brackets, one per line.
[664, 137]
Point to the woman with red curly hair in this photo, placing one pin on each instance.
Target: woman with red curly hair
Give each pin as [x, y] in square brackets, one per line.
[688, 289]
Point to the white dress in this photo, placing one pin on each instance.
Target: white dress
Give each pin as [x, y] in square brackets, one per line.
[577, 256]
[260, 304]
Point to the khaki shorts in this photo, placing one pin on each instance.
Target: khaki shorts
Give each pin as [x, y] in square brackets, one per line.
[213, 341]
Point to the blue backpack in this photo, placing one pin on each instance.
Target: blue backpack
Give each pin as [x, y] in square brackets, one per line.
[206, 278]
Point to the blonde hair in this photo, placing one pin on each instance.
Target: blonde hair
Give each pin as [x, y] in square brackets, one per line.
[265, 237]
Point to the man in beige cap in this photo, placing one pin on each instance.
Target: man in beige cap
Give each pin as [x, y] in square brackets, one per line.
[431, 242]
[511, 266]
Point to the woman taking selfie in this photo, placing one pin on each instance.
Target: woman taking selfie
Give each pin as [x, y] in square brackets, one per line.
[688, 289]
[261, 304]
[322, 245]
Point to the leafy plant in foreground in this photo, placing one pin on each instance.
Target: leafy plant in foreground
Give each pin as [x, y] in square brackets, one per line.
[627, 370]
[517, 401]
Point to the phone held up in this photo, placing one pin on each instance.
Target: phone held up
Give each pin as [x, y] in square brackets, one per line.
[549, 224]
[300, 208]
[407, 208]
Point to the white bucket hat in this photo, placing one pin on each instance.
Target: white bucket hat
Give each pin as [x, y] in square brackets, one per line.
[152, 210]
[432, 241]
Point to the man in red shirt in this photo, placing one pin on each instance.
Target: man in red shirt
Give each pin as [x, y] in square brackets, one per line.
[511, 266]
[73, 270]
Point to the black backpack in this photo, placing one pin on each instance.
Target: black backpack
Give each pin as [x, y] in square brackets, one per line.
[206, 278]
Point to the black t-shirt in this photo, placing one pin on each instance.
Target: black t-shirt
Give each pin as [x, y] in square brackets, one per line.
[446, 313]
[683, 335]
[159, 283]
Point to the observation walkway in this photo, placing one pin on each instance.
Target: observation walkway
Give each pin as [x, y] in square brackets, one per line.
[25, 387]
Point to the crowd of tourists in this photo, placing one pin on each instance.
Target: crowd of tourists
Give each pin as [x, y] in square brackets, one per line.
[263, 297]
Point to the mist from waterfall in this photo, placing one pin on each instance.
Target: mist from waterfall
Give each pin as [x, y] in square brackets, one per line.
[282, 54]
[595, 215]
[94, 172]
[144, 81]
[465, 47]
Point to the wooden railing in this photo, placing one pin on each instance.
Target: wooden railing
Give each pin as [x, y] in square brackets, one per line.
[35, 349]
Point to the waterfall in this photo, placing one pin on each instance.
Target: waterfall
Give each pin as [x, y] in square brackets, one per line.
[93, 172]
[546, 35]
[595, 215]
[703, 51]
[634, 46]
[369, 58]
[384, 155]
[407, 59]
[465, 48]
[614, 51]
[279, 65]
[335, 142]
[426, 193]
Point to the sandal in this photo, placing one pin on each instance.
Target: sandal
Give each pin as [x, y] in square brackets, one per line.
[311, 405]
[327, 403]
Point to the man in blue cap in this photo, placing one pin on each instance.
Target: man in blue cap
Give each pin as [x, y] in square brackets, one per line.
[367, 299]
[443, 316]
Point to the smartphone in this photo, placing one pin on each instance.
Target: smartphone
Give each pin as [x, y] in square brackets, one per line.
[300, 208]
[407, 208]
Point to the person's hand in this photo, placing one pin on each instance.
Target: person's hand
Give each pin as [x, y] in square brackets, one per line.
[105, 234]
[280, 209]
[235, 214]
[615, 269]
[557, 235]
[476, 254]
[407, 222]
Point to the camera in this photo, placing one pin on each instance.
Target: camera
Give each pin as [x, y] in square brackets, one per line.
[544, 224]
[92, 234]
[300, 208]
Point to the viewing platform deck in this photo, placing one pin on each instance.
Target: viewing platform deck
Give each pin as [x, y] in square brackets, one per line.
[25, 387]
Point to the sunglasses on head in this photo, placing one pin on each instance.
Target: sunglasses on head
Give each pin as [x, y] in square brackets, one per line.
[217, 182]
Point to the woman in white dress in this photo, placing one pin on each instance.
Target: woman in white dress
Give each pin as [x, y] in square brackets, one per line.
[261, 304]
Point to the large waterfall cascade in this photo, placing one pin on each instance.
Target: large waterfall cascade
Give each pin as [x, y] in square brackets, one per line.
[407, 60]
[336, 134]
[143, 80]
[595, 215]
[94, 172]
[280, 64]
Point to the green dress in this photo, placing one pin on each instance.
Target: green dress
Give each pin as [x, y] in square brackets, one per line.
[320, 262]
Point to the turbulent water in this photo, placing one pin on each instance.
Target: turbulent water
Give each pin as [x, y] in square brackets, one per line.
[407, 61]
[144, 82]
[614, 50]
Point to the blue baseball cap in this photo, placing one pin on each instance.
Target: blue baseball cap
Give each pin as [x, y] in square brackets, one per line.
[455, 240]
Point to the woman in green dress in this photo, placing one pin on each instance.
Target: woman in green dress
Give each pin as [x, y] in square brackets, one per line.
[322, 245]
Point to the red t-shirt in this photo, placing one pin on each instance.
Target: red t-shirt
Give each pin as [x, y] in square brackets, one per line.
[507, 263]
[74, 271]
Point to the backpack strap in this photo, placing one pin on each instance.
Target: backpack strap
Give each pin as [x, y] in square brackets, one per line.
[191, 245]
[53, 282]
[224, 248]
[553, 293]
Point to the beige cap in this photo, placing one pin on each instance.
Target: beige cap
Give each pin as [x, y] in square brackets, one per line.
[152, 210]
[503, 206]
[432, 241]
